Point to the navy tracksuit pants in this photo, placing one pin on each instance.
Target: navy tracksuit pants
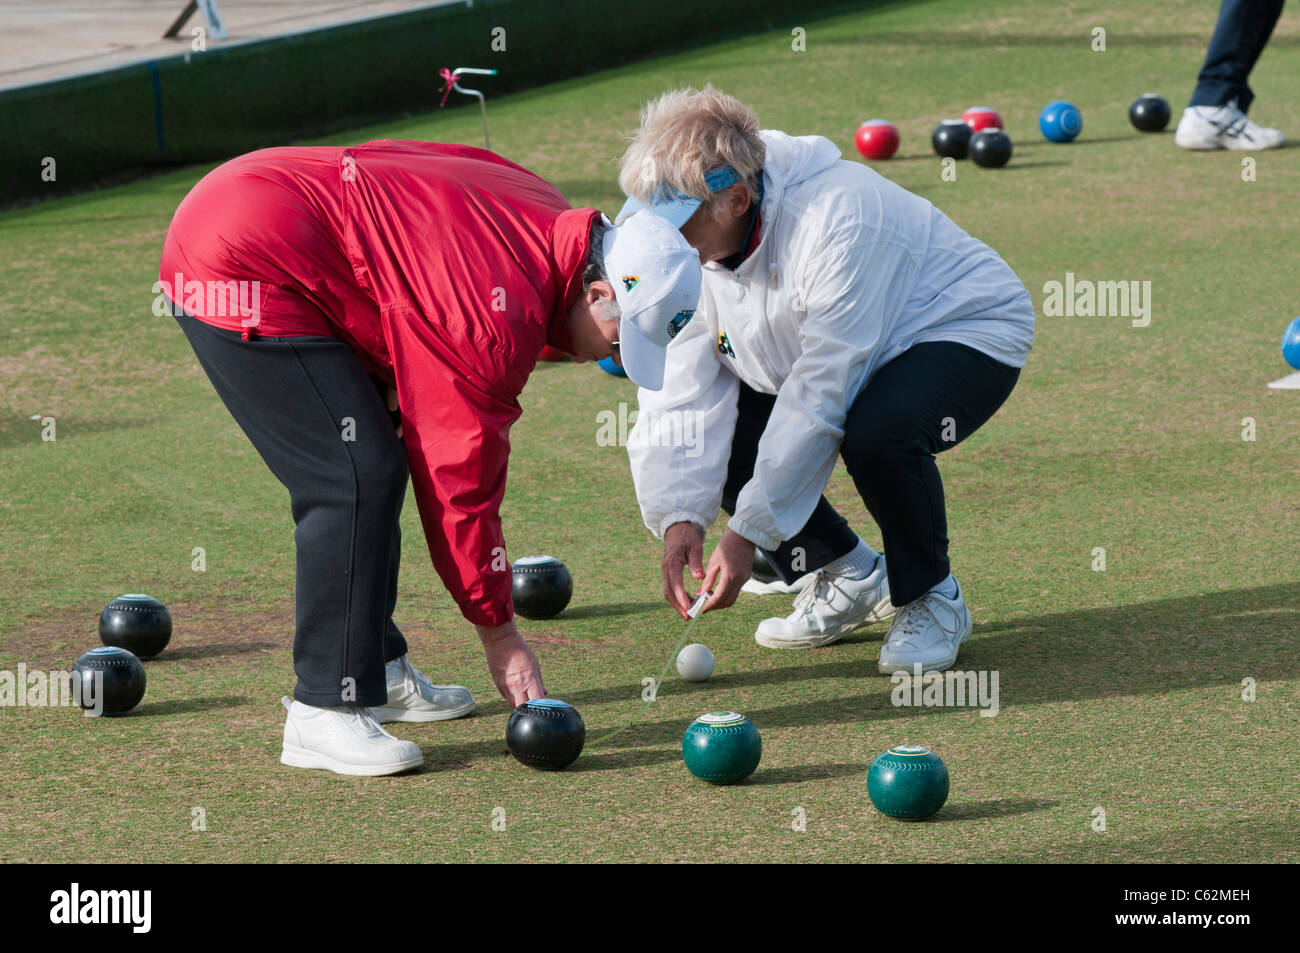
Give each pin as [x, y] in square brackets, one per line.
[323, 427]
[1243, 29]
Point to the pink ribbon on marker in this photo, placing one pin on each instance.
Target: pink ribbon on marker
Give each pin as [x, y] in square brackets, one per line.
[450, 80]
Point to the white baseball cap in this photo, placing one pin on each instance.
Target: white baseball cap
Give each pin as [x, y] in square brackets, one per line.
[656, 277]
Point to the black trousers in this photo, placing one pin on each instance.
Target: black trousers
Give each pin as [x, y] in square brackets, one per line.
[926, 400]
[322, 426]
[1243, 29]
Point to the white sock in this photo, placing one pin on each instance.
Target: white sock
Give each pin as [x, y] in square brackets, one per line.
[947, 588]
[858, 564]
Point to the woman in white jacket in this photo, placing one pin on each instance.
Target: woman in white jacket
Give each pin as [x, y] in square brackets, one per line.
[840, 316]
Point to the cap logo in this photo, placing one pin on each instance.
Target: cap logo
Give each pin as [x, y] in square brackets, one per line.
[679, 321]
[630, 281]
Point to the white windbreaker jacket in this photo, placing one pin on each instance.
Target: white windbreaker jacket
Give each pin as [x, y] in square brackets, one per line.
[851, 270]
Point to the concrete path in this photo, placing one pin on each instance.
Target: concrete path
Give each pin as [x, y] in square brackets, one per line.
[51, 39]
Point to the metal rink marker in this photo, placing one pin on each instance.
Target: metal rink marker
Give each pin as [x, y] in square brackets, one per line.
[450, 79]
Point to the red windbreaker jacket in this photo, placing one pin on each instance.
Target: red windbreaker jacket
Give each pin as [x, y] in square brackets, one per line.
[447, 268]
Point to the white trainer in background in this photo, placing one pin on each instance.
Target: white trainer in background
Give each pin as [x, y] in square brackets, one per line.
[776, 586]
[412, 697]
[1223, 127]
[929, 631]
[828, 608]
[345, 740]
[764, 581]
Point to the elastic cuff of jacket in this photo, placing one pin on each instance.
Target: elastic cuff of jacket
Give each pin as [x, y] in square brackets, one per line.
[681, 516]
[753, 534]
[490, 617]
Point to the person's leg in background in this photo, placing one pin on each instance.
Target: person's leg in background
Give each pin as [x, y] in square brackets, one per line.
[1215, 117]
[925, 401]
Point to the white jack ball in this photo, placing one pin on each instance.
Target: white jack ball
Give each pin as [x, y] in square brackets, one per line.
[695, 662]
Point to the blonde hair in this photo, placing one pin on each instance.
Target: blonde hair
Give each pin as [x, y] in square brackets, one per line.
[686, 133]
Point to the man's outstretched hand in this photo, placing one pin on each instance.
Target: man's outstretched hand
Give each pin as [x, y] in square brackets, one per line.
[511, 663]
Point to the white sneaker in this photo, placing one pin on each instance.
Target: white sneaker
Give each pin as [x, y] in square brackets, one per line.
[343, 740]
[412, 697]
[929, 631]
[828, 608]
[1223, 127]
[754, 587]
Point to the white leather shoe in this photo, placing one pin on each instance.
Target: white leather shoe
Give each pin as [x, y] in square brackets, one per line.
[412, 697]
[344, 740]
[828, 608]
[1223, 127]
[929, 631]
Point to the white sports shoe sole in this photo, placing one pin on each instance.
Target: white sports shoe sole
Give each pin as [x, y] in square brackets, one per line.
[1200, 144]
[297, 757]
[387, 716]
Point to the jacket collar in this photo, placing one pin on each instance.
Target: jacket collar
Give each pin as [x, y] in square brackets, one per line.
[769, 214]
[570, 246]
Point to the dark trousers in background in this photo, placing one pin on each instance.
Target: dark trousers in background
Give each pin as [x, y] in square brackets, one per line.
[1239, 37]
[898, 423]
[291, 396]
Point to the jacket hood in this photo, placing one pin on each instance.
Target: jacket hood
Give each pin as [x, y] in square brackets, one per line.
[791, 159]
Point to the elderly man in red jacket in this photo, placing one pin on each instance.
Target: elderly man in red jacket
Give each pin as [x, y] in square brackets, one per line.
[371, 312]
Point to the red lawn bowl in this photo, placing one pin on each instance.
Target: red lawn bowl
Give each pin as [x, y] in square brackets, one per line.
[877, 139]
[982, 117]
[553, 354]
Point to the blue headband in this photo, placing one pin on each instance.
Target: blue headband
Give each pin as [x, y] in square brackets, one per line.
[676, 207]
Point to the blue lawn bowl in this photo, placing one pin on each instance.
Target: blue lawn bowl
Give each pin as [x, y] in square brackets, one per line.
[1060, 121]
[609, 366]
[1291, 344]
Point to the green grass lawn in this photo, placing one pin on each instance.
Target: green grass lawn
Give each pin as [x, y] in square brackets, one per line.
[1120, 689]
